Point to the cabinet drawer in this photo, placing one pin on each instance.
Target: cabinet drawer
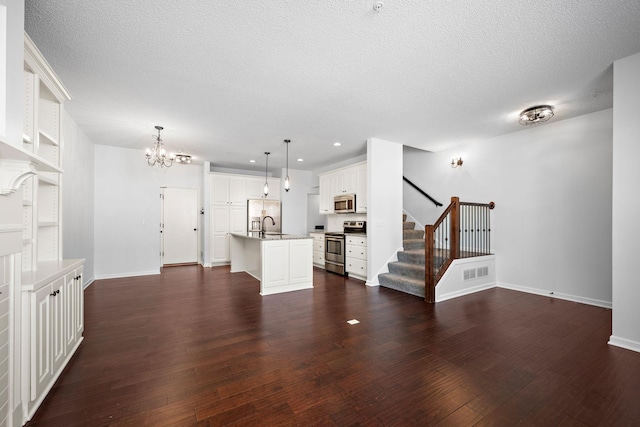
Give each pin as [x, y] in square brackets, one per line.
[318, 257]
[318, 245]
[359, 252]
[356, 266]
[356, 240]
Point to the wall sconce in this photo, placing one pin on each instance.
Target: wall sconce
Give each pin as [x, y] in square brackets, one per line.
[456, 162]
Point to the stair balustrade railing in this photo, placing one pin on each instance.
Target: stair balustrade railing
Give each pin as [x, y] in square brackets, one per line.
[462, 231]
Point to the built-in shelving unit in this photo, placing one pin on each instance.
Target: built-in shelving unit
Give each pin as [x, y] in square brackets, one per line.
[51, 318]
[42, 138]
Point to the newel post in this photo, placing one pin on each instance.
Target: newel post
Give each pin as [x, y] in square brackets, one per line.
[429, 274]
[455, 228]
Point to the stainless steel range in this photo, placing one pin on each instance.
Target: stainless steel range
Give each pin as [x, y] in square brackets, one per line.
[334, 253]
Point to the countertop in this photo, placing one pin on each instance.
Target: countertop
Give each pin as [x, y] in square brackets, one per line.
[269, 236]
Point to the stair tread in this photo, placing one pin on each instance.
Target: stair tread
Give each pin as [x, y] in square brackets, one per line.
[408, 265]
[402, 284]
[414, 251]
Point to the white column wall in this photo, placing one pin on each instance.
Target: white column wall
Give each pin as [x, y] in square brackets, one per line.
[552, 188]
[626, 203]
[127, 210]
[384, 205]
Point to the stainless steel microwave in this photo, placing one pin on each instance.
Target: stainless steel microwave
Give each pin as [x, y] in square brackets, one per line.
[344, 203]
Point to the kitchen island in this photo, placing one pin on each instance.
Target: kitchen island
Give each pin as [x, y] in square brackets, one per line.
[281, 262]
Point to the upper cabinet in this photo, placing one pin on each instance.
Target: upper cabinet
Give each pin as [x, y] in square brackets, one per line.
[345, 181]
[348, 180]
[228, 190]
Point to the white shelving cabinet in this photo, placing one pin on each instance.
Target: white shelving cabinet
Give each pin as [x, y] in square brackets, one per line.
[50, 322]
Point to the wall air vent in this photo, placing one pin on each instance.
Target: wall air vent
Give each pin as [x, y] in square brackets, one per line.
[483, 271]
[469, 274]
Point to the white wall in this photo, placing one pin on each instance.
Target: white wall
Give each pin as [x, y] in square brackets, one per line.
[552, 189]
[626, 203]
[294, 201]
[77, 196]
[127, 209]
[384, 205]
[14, 72]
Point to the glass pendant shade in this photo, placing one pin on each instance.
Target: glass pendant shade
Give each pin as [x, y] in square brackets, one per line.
[287, 184]
[266, 171]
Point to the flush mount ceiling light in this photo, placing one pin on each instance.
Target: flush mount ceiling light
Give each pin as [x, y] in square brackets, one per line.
[535, 115]
[337, 144]
[157, 155]
[183, 158]
[287, 183]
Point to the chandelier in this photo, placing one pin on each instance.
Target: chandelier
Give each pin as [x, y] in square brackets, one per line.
[157, 155]
[535, 115]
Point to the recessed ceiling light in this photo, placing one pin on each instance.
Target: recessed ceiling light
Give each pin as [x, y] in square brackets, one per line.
[252, 161]
[337, 144]
[301, 160]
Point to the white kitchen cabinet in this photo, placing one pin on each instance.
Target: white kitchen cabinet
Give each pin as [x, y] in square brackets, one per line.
[349, 180]
[318, 249]
[224, 220]
[356, 256]
[345, 181]
[229, 195]
[287, 265]
[327, 185]
[255, 188]
[228, 190]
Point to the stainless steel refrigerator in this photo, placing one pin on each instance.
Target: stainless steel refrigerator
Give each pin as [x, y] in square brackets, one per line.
[258, 209]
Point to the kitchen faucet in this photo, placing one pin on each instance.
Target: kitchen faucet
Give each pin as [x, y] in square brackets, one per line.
[273, 222]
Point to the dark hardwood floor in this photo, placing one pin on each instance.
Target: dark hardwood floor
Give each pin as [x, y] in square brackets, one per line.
[200, 346]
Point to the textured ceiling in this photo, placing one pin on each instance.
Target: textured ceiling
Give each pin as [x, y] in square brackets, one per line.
[232, 79]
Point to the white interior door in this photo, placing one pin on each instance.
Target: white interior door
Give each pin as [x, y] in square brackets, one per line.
[180, 225]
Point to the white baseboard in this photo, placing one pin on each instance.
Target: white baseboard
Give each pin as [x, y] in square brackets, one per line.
[122, 275]
[88, 283]
[466, 291]
[624, 343]
[553, 294]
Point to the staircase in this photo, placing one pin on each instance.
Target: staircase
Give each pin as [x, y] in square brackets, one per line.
[407, 274]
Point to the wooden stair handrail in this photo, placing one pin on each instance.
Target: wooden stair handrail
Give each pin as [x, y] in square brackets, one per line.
[453, 210]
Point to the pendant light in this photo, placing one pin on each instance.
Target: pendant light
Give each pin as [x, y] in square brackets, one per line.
[286, 180]
[266, 170]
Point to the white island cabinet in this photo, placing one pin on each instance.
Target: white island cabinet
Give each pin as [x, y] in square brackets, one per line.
[281, 262]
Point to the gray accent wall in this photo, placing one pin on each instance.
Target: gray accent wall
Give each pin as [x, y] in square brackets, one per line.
[552, 185]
